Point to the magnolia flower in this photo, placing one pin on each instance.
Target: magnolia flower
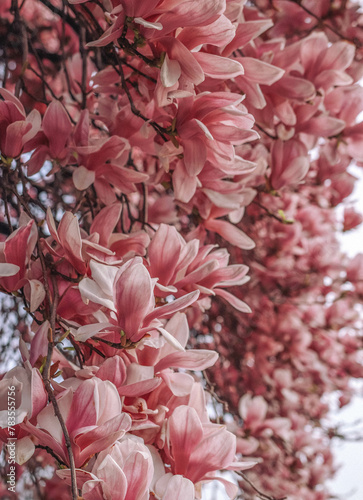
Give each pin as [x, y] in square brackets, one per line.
[121, 472]
[128, 292]
[93, 416]
[16, 129]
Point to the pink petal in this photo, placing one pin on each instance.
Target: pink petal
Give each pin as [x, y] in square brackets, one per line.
[323, 126]
[184, 184]
[8, 96]
[219, 33]
[180, 384]
[101, 437]
[164, 251]
[83, 178]
[202, 13]
[35, 119]
[17, 250]
[227, 276]
[57, 127]
[84, 411]
[195, 155]
[193, 359]
[114, 370]
[173, 307]
[332, 78]
[216, 451]
[179, 488]
[253, 91]
[37, 160]
[139, 388]
[24, 450]
[14, 138]
[246, 32]
[86, 332]
[81, 130]
[134, 299]
[141, 8]
[39, 344]
[107, 37]
[230, 233]
[81, 475]
[170, 72]
[138, 471]
[170, 339]
[252, 410]
[260, 72]
[70, 239]
[185, 433]
[8, 269]
[338, 56]
[134, 243]
[218, 67]
[35, 294]
[231, 488]
[39, 396]
[114, 478]
[105, 222]
[295, 88]
[188, 64]
[233, 300]
[198, 274]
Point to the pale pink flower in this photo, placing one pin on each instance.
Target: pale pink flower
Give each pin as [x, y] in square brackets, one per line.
[15, 254]
[124, 245]
[123, 471]
[93, 416]
[30, 394]
[228, 231]
[129, 293]
[16, 129]
[52, 141]
[208, 120]
[103, 163]
[352, 219]
[185, 266]
[197, 450]
[289, 163]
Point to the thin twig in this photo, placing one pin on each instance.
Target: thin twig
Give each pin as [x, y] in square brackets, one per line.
[160, 130]
[260, 494]
[271, 214]
[51, 452]
[48, 385]
[324, 24]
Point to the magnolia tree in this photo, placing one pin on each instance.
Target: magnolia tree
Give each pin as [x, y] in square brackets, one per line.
[169, 263]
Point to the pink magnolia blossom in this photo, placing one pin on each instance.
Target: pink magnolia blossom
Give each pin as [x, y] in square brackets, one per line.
[123, 471]
[191, 266]
[16, 127]
[15, 255]
[124, 245]
[196, 449]
[30, 395]
[129, 293]
[93, 416]
[191, 142]
[352, 219]
[208, 123]
[51, 142]
[71, 245]
[289, 164]
[95, 165]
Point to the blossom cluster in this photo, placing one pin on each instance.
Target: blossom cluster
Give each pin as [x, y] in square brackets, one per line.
[170, 170]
